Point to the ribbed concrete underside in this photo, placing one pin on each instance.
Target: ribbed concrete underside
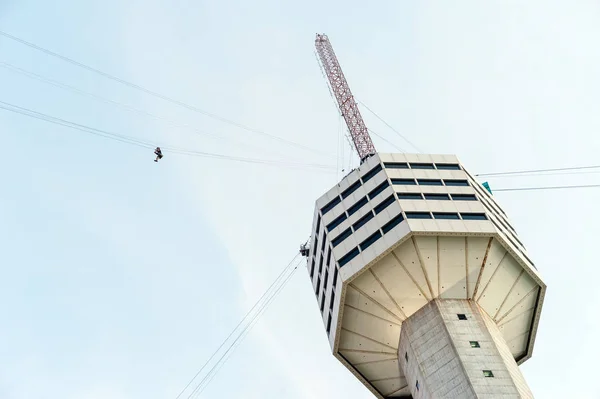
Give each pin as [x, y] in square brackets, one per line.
[423, 268]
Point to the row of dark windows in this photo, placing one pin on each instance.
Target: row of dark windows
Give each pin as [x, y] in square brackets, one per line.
[486, 194]
[362, 221]
[421, 165]
[413, 215]
[370, 240]
[515, 244]
[397, 220]
[398, 165]
[430, 182]
[446, 215]
[359, 204]
[499, 214]
[507, 227]
[436, 197]
[353, 187]
[492, 207]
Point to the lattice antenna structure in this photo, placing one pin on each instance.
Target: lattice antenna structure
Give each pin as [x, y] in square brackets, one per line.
[341, 90]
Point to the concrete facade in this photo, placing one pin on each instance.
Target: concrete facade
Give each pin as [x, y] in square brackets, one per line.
[452, 349]
[401, 231]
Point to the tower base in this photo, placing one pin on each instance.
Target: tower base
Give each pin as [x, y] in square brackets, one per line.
[451, 348]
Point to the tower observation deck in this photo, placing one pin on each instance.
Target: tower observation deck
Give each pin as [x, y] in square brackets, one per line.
[424, 287]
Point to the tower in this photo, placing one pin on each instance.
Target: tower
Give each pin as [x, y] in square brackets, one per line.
[424, 287]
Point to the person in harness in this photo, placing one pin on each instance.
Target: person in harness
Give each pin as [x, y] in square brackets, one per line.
[158, 153]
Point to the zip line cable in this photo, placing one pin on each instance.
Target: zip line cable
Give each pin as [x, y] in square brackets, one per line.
[213, 371]
[546, 188]
[390, 126]
[148, 144]
[154, 93]
[386, 140]
[519, 172]
[244, 335]
[64, 86]
[259, 303]
[566, 173]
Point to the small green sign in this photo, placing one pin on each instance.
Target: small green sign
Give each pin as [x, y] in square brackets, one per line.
[487, 187]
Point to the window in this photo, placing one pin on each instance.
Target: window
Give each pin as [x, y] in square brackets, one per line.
[488, 373]
[462, 316]
[336, 222]
[323, 243]
[447, 166]
[446, 215]
[349, 256]
[370, 240]
[457, 183]
[422, 166]
[409, 196]
[378, 189]
[395, 165]
[404, 182]
[418, 215]
[323, 299]
[392, 223]
[326, 280]
[318, 288]
[437, 197]
[430, 182]
[335, 275]
[318, 225]
[361, 202]
[417, 385]
[321, 265]
[464, 197]
[473, 216]
[312, 269]
[329, 323]
[346, 193]
[331, 205]
[406, 356]
[332, 300]
[329, 256]
[384, 204]
[371, 173]
[362, 221]
[530, 261]
[474, 344]
[343, 235]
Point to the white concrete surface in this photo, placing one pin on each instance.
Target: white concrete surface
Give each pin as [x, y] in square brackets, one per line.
[416, 261]
[447, 356]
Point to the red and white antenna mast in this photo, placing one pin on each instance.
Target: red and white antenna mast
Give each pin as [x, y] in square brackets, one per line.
[358, 130]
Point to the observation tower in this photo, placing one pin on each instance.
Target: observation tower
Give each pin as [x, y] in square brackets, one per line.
[424, 287]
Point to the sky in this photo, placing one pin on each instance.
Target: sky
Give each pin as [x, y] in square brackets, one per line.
[121, 276]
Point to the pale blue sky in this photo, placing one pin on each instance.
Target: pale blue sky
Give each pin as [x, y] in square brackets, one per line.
[121, 276]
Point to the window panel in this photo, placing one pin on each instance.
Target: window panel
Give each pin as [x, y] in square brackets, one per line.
[404, 182]
[418, 215]
[349, 256]
[384, 204]
[437, 197]
[396, 165]
[362, 221]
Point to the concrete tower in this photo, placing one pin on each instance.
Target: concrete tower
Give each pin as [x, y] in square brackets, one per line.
[424, 287]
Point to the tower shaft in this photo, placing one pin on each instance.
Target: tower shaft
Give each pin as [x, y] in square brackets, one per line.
[450, 348]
